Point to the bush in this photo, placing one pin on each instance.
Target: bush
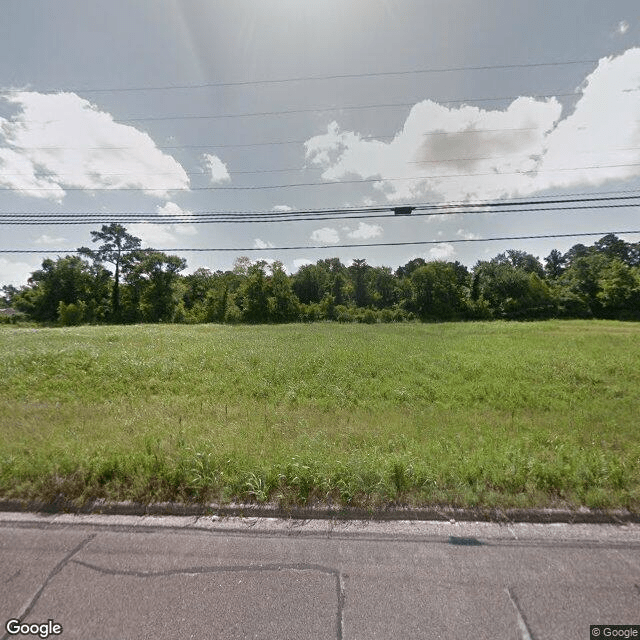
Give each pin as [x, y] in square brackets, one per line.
[70, 315]
[369, 317]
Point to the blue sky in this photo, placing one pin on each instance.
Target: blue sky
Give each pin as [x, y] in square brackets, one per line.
[164, 107]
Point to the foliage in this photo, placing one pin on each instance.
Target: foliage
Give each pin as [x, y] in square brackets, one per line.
[116, 242]
[601, 281]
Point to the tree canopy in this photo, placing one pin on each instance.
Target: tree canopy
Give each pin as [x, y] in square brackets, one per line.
[145, 285]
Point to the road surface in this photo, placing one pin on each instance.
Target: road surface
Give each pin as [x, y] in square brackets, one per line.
[121, 577]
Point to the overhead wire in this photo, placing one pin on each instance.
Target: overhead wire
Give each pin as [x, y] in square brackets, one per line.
[165, 189]
[317, 168]
[267, 143]
[340, 76]
[253, 114]
[571, 198]
[350, 245]
[388, 211]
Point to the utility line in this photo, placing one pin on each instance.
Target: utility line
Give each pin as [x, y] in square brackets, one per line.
[317, 168]
[351, 246]
[174, 221]
[341, 76]
[424, 210]
[437, 208]
[324, 184]
[253, 114]
[267, 143]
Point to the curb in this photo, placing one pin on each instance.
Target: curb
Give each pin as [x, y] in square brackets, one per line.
[583, 515]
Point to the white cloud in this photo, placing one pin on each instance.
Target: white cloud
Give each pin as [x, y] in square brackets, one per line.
[326, 235]
[58, 141]
[217, 169]
[602, 130]
[467, 153]
[156, 235]
[153, 235]
[174, 210]
[467, 235]
[15, 273]
[365, 231]
[262, 244]
[300, 262]
[46, 239]
[623, 27]
[282, 208]
[442, 251]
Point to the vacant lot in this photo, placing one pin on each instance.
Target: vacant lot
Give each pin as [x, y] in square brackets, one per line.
[491, 414]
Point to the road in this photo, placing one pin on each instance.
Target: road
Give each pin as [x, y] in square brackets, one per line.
[121, 577]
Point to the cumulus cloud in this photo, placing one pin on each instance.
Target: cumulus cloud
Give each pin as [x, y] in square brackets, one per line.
[15, 273]
[45, 239]
[326, 235]
[466, 153]
[174, 210]
[442, 251]
[301, 262]
[467, 235]
[59, 141]
[262, 244]
[623, 27]
[365, 231]
[155, 235]
[282, 208]
[217, 169]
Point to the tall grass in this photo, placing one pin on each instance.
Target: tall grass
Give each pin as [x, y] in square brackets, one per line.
[474, 414]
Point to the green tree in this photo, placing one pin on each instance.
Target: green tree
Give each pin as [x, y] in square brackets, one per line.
[69, 280]
[358, 272]
[554, 264]
[152, 278]
[514, 292]
[619, 290]
[115, 243]
[384, 287]
[311, 283]
[255, 294]
[283, 305]
[436, 294]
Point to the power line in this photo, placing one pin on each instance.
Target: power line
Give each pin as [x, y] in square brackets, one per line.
[300, 216]
[324, 184]
[435, 208]
[391, 105]
[342, 76]
[306, 168]
[354, 245]
[270, 142]
[174, 221]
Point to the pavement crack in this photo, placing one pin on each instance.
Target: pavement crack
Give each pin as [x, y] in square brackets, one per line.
[11, 577]
[191, 571]
[209, 569]
[523, 628]
[54, 572]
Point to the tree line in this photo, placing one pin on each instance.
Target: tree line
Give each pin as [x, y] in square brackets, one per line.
[119, 282]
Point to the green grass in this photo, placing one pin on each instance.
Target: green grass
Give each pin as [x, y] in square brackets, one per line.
[470, 414]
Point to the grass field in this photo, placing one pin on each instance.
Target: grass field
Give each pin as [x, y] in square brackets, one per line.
[469, 414]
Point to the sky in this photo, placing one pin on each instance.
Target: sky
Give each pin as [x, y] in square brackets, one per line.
[169, 109]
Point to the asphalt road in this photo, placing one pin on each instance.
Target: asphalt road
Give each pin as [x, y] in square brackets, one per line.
[121, 577]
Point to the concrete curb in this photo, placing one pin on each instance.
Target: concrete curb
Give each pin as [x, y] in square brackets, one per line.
[583, 515]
